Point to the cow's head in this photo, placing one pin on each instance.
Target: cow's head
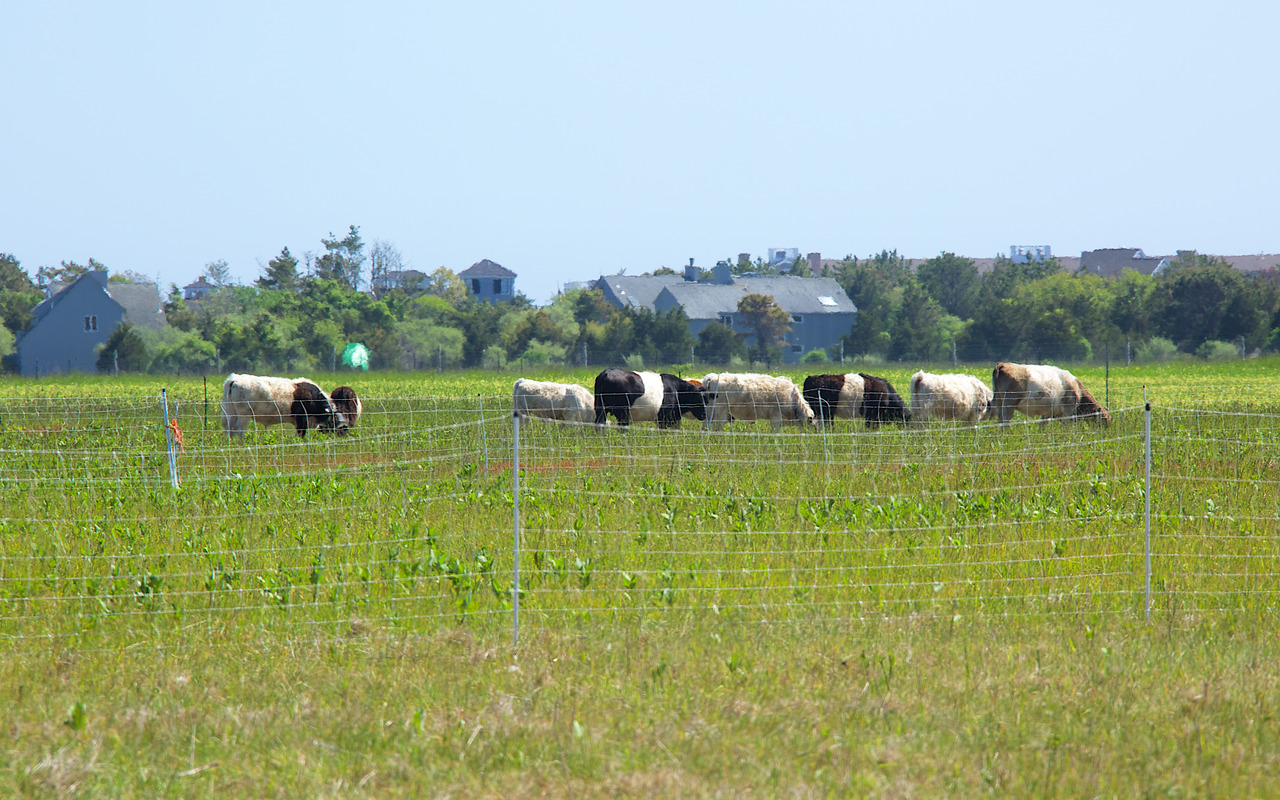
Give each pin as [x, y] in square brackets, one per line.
[311, 404]
[1089, 407]
[346, 402]
[691, 400]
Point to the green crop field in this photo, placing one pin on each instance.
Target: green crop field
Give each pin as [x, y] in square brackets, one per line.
[904, 612]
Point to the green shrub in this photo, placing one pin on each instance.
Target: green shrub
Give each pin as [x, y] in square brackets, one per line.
[1216, 350]
[815, 357]
[1156, 348]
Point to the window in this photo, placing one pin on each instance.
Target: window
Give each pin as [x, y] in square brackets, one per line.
[795, 348]
[91, 322]
[726, 319]
[497, 285]
[797, 318]
[475, 286]
[827, 300]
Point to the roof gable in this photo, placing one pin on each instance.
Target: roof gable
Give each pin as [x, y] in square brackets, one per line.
[486, 269]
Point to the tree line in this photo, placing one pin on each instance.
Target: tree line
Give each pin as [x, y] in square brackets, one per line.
[299, 315]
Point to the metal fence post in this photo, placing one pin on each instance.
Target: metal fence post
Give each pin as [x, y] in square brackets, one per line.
[484, 434]
[168, 438]
[1146, 514]
[515, 510]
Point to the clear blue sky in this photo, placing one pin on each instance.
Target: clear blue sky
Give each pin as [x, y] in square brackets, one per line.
[567, 140]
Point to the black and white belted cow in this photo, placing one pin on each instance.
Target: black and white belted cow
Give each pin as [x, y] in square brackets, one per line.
[278, 401]
[646, 397]
[853, 395]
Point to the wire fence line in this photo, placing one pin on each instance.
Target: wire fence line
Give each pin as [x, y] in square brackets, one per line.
[407, 523]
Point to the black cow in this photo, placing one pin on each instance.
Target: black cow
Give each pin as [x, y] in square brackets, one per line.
[853, 395]
[646, 397]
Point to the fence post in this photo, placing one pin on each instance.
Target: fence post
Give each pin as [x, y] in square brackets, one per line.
[484, 434]
[1146, 514]
[515, 510]
[168, 438]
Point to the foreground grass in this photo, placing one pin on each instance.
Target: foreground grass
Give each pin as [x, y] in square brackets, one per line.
[1048, 707]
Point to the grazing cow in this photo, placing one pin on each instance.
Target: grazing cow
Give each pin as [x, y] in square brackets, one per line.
[750, 396]
[567, 402]
[949, 396]
[348, 402]
[276, 401]
[646, 397]
[1039, 390]
[853, 395]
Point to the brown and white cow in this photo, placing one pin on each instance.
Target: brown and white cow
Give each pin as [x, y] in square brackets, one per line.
[277, 401]
[1040, 390]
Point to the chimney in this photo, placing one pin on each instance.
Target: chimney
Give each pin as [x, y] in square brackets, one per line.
[722, 273]
[692, 273]
[744, 259]
[815, 263]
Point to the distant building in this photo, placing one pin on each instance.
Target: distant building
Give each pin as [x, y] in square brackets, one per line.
[820, 310]
[198, 289]
[407, 279]
[489, 282]
[780, 257]
[1111, 262]
[68, 327]
[1021, 254]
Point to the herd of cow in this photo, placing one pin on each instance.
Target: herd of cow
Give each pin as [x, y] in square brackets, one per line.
[1036, 390]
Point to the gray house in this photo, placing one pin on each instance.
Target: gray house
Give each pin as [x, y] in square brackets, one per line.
[820, 310]
[68, 327]
[489, 282]
[1113, 261]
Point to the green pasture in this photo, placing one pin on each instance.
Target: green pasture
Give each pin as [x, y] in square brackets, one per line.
[900, 612]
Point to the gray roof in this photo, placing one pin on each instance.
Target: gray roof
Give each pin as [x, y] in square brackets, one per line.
[635, 291]
[486, 269]
[1111, 262]
[141, 303]
[706, 300]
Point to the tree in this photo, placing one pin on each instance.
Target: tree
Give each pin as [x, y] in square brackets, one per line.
[1199, 298]
[920, 331]
[18, 295]
[384, 257]
[953, 281]
[718, 344]
[875, 286]
[446, 284]
[281, 272]
[766, 320]
[218, 273]
[342, 259]
[124, 349]
[66, 273]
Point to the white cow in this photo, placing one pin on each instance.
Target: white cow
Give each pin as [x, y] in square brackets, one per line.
[751, 396]
[567, 402]
[952, 396]
[277, 401]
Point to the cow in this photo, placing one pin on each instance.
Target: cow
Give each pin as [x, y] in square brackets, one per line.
[646, 397]
[852, 395]
[276, 401]
[949, 396]
[348, 402]
[750, 396]
[1039, 390]
[566, 402]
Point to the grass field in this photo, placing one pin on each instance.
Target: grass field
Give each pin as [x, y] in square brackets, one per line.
[896, 613]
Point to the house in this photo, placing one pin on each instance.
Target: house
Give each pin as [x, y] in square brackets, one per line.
[198, 289]
[820, 310]
[489, 282]
[68, 327]
[1111, 262]
[408, 279]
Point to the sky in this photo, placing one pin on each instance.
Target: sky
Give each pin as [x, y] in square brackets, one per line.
[566, 140]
